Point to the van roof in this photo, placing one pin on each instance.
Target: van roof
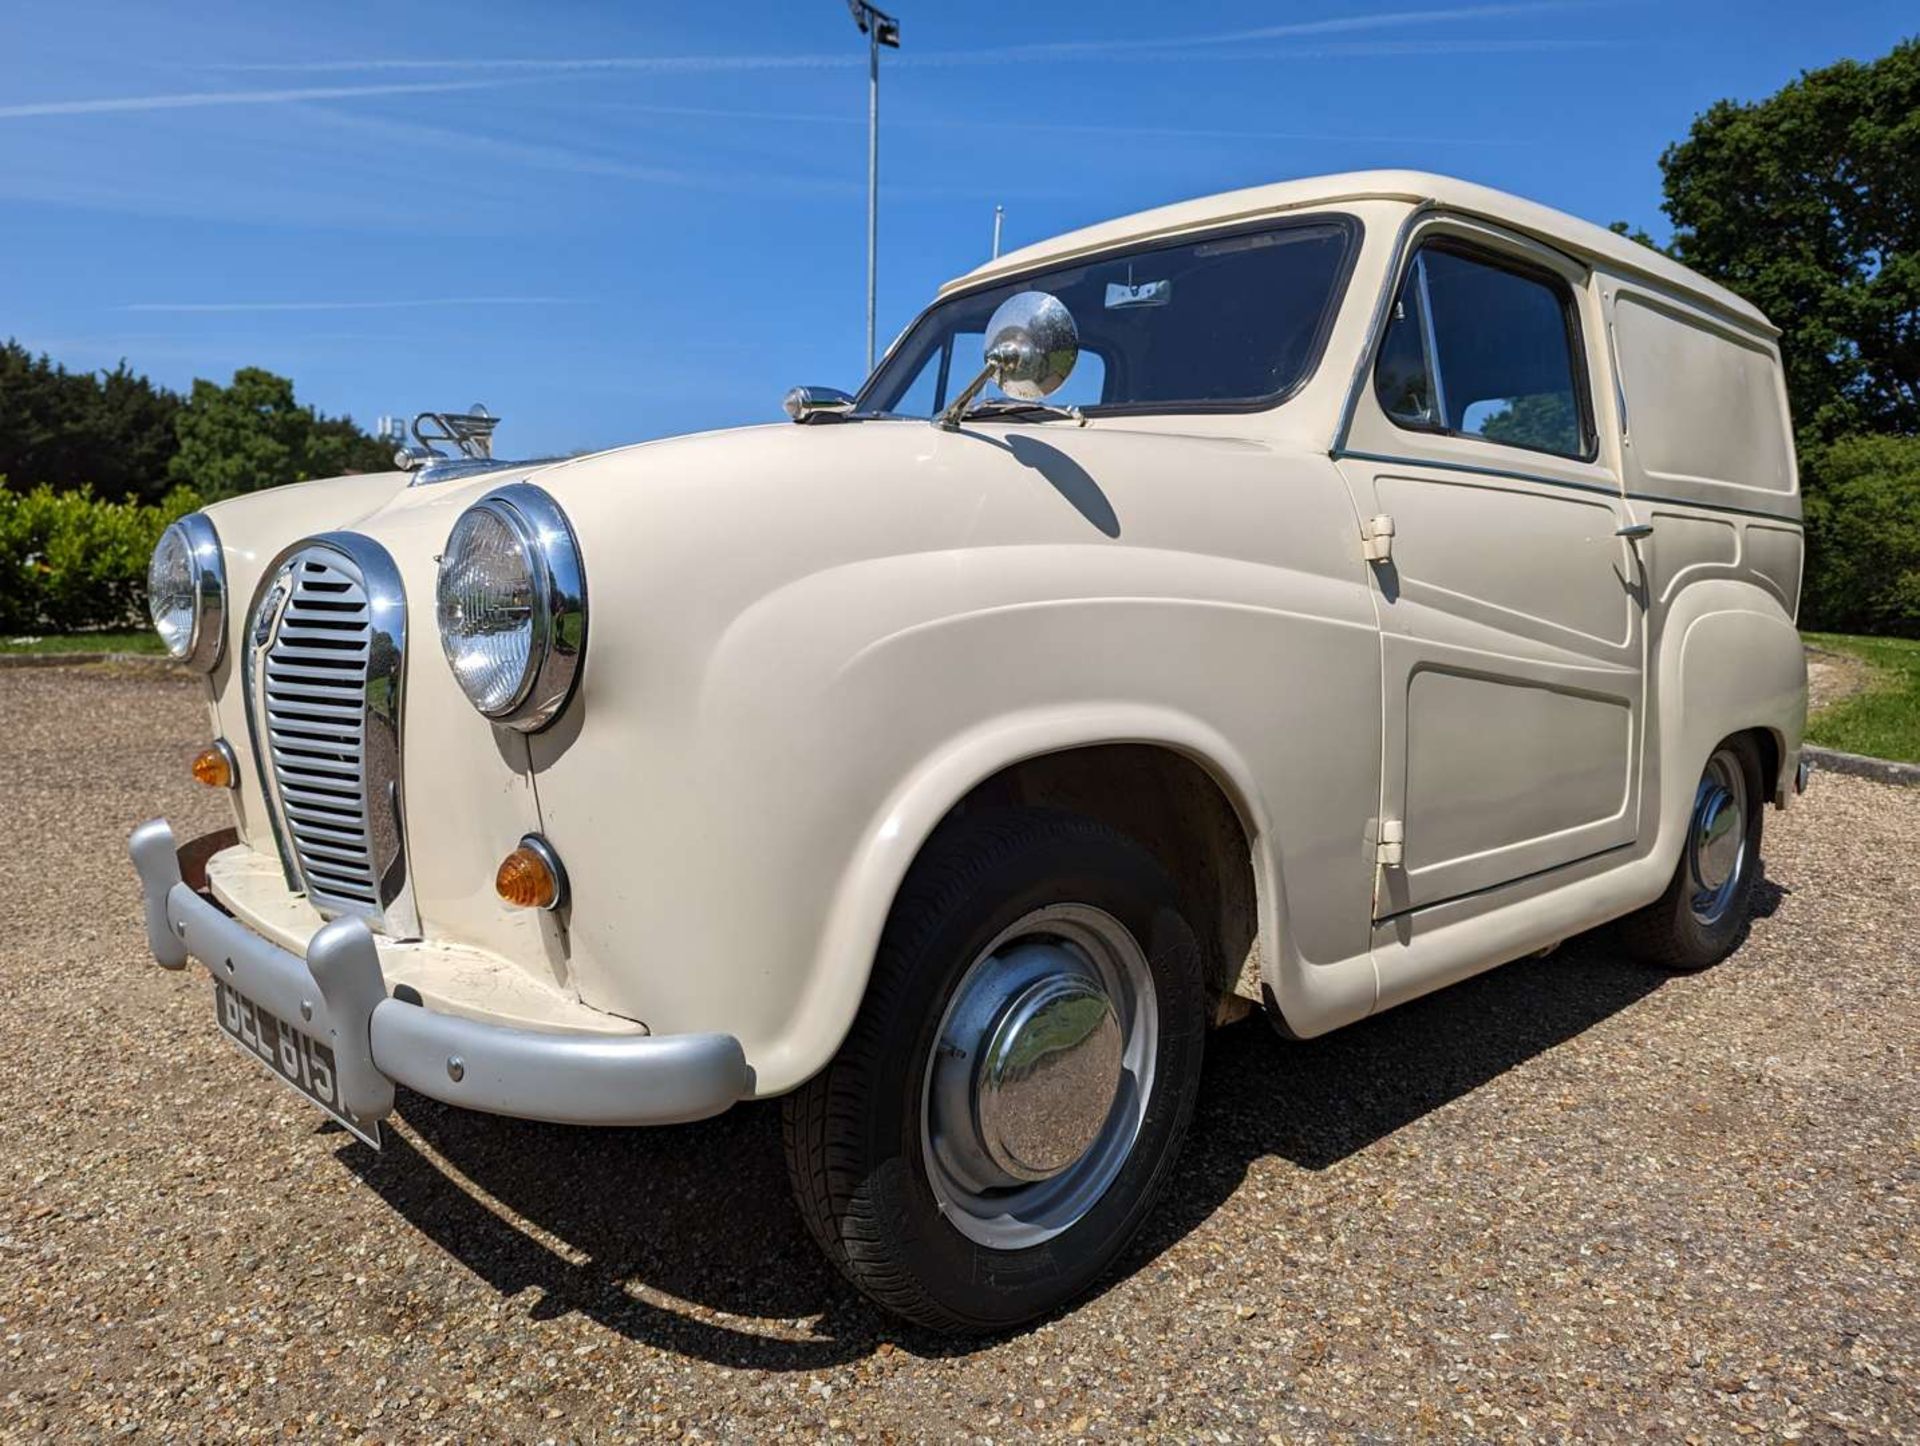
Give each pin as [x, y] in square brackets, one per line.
[1542, 222]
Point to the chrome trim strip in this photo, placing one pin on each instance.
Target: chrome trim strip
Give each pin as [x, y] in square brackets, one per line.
[1389, 459]
[263, 616]
[1429, 341]
[460, 469]
[382, 694]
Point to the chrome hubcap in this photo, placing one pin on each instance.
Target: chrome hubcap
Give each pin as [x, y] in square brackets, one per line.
[1049, 1075]
[1717, 837]
[1040, 1077]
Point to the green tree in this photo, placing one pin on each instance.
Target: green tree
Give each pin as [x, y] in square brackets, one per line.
[1545, 421]
[111, 431]
[254, 433]
[340, 446]
[1863, 536]
[1807, 203]
[131, 436]
[242, 437]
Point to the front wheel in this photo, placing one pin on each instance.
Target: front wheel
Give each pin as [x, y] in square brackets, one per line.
[1011, 1097]
[1698, 920]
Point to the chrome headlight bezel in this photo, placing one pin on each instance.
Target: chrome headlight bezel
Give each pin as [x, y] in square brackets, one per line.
[206, 587]
[558, 588]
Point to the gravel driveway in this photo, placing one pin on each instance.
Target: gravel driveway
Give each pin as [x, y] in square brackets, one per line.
[1567, 1198]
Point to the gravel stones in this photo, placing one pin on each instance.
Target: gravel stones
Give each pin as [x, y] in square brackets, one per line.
[1569, 1198]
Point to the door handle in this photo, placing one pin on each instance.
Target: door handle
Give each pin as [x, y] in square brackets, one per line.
[1634, 529]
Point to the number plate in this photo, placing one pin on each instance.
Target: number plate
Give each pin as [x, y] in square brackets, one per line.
[298, 1059]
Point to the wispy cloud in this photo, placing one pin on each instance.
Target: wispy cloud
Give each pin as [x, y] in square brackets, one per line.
[193, 100]
[1292, 30]
[570, 160]
[664, 64]
[1218, 44]
[723, 180]
[223, 307]
[1069, 128]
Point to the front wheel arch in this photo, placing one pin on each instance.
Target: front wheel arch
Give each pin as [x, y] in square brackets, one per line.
[903, 824]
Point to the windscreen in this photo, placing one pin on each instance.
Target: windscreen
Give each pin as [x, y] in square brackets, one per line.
[1230, 320]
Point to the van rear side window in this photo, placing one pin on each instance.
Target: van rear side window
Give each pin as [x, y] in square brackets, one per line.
[1702, 405]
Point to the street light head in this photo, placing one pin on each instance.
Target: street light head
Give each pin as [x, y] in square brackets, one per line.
[886, 30]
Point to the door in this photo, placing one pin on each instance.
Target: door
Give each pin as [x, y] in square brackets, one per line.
[1511, 623]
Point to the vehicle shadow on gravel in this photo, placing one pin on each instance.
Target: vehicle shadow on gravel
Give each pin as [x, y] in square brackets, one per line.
[654, 1232]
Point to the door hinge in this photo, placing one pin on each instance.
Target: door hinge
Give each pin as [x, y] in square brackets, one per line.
[1392, 847]
[1376, 539]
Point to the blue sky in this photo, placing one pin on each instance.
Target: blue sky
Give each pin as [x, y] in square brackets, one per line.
[621, 220]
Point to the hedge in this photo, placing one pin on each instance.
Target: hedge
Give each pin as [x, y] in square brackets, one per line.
[1863, 536]
[70, 562]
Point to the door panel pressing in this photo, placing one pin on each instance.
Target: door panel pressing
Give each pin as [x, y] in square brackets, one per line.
[1476, 746]
[1511, 609]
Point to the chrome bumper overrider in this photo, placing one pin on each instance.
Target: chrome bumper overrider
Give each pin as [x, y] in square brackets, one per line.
[338, 994]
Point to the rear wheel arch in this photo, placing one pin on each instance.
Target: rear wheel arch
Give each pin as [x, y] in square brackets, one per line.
[1730, 662]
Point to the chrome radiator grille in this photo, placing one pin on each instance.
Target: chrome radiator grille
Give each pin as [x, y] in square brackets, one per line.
[323, 678]
[316, 698]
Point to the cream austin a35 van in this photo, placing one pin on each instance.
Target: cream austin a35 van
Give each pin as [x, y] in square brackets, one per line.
[1317, 594]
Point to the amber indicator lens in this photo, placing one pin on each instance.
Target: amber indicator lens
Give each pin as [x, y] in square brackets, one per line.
[211, 767]
[525, 880]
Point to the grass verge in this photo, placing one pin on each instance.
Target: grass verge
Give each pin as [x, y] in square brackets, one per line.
[142, 641]
[1884, 720]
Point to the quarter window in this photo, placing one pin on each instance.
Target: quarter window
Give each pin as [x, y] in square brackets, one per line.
[1483, 348]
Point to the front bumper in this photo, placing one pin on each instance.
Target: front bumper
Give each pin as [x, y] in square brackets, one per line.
[338, 994]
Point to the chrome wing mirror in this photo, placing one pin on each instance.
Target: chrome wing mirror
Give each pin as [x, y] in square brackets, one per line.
[811, 404]
[1031, 347]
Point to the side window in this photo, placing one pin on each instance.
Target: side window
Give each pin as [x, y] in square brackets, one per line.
[927, 393]
[1479, 348]
[918, 400]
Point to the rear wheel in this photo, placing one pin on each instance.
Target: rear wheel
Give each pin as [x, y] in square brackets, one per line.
[1014, 1090]
[1699, 919]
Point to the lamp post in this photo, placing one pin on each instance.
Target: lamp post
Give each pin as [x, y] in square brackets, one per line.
[880, 29]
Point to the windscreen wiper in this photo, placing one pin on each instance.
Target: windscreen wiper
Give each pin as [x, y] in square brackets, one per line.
[1008, 407]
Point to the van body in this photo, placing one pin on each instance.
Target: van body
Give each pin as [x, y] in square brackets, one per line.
[1397, 578]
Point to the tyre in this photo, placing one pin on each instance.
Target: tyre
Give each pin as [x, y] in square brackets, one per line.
[1699, 919]
[1015, 1088]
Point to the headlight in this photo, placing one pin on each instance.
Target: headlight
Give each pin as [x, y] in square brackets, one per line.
[513, 606]
[187, 592]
